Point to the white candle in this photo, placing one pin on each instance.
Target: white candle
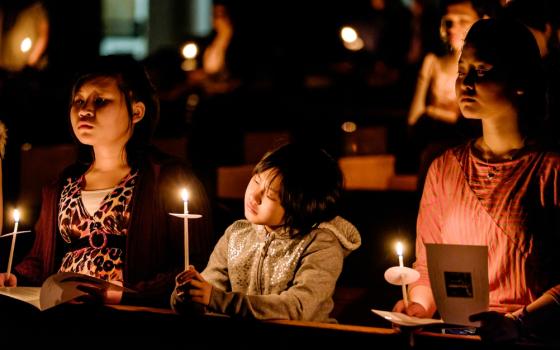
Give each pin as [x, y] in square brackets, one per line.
[16, 219]
[185, 196]
[401, 264]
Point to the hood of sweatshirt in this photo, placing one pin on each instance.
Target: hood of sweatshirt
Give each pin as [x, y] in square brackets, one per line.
[346, 233]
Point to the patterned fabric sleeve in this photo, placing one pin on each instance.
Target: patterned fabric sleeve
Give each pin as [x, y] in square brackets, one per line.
[429, 219]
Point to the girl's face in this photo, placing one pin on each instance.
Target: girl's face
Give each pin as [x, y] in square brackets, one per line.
[482, 89]
[456, 22]
[262, 200]
[99, 115]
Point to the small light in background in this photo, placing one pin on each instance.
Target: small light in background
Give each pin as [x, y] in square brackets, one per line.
[351, 39]
[192, 101]
[189, 51]
[349, 127]
[350, 138]
[348, 34]
[25, 45]
[26, 146]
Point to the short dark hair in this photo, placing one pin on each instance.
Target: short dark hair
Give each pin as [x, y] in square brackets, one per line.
[511, 47]
[311, 185]
[133, 81]
[483, 8]
[534, 13]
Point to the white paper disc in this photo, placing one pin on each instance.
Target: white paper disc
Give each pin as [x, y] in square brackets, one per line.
[398, 275]
[188, 216]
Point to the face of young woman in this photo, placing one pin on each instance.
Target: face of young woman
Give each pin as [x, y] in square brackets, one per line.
[456, 22]
[99, 115]
[481, 88]
[262, 200]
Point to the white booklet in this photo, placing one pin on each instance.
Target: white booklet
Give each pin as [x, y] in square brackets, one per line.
[459, 282]
[58, 289]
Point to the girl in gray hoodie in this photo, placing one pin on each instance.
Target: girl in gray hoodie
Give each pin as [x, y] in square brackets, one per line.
[283, 261]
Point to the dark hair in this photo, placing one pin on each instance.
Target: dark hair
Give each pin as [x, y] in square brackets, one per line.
[482, 7]
[311, 184]
[511, 47]
[534, 13]
[134, 83]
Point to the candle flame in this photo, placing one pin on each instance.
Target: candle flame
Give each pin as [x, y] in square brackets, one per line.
[184, 194]
[399, 248]
[190, 50]
[348, 34]
[16, 215]
[25, 45]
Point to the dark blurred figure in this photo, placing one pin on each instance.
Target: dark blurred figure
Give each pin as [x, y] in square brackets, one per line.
[40, 44]
[384, 28]
[213, 101]
[171, 82]
[434, 120]
[541, 17]
[424, 31]
[24, 36]
[220, 65]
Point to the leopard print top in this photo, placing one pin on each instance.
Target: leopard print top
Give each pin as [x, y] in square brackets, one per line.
[86, 235]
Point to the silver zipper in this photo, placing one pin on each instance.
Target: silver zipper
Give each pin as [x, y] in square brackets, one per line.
[268, 239]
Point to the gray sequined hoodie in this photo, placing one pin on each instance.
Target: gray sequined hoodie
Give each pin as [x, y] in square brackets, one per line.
[275, 276]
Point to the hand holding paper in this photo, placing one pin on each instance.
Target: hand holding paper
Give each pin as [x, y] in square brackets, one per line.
[64, 287]
[100, 294]
[414, 309]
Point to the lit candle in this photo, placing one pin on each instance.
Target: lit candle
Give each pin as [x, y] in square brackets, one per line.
[16, 220]
[401, 264]
[399, 253]
[185, 196]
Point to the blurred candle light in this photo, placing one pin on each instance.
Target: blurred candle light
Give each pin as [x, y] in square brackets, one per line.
[16, 223]
[185, 197]
[348, 34]
[351, 39]
[349, 127]
[25, 45]
[189, 51]
[400, 253]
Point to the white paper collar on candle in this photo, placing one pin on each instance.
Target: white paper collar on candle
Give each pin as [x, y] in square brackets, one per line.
[14, 233]
[188, 216]
[398, 275]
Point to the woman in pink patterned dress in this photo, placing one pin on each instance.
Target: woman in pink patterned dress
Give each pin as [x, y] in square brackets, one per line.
[501, 190]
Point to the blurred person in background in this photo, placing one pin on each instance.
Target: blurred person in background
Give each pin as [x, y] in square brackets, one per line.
[434, 115]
